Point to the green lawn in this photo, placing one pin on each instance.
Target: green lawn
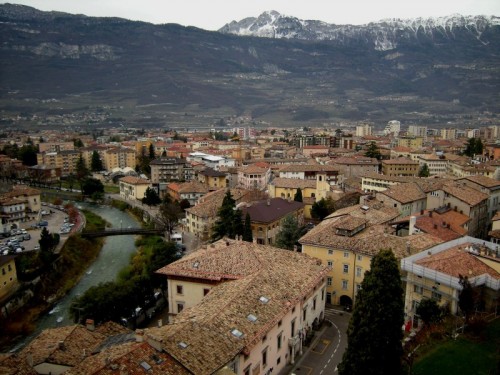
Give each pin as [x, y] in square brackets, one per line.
[112, 189]
[463, 356]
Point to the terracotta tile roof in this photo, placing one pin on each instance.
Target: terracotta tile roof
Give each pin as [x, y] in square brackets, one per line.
[282, 276]
[210, 203]
[400, 161]
[405, 193]
[209, 172]
[271, 210]
[361, 160]
[484, 181]
[12, 364]
[136, 358]
[308, 168]
[192, 187]
[252, 168]
[457, 261]
[465, 193]
[62, 346]
[377, 212]
[293, 183]
[18, 190]
[369, 241]
[174, 186]
[134, 180]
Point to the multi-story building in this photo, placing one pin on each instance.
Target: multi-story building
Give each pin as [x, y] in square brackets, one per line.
[253, 177]
[190, 191]
[66, 160]
[266, 217]
[364, 130]
[119, 157]
[356, 166]
[87, 153]
[449, 133]
[488, 186]
[410, 142]
[393, 127]
[418, 131]
[12, 211]
[437, 164]
[331, 173]
[133, 188]
[28, 195]
[400, 167]
[463, 199]
[8, 276]
[374, 182]
[348, 239]
[435, 273]
[272, 300]
[201, 218]
[407, 198]
[211, 178]
[55, 146]
[44, 173]
[165, 170]
[11, 167]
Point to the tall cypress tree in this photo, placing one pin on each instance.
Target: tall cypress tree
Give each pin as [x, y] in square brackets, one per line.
[374, 335]
[247, 230]
[224, 226]
[298, 195]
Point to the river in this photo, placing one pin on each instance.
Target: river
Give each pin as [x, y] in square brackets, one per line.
[114, 256]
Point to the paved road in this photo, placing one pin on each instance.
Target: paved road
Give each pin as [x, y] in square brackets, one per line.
[326, 352]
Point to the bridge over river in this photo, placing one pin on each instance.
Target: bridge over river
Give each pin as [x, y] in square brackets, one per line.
[119, 232]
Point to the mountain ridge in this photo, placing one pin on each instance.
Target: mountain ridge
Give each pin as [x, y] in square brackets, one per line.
[171, 73]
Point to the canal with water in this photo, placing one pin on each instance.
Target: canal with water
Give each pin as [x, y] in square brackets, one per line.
[114, 256]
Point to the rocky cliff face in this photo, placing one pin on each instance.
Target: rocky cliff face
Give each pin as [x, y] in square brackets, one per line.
[382, 36]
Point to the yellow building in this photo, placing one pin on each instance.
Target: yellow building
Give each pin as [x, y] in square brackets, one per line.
[268, 297]
[87, 153]
[119, 157]
[30, 196]
[8, 276]
[411, 142]
[66, 160]
[133, 188]
[400, 167]
[212, 179]
[435, 274]
[348, 239]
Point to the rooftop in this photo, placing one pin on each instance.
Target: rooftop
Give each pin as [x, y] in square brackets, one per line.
[134, 180]
[271, 210]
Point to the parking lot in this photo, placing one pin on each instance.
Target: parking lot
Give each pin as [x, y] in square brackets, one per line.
[55, 218]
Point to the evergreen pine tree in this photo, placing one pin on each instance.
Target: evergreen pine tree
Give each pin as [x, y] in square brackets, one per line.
[238, 225]
[224, 224]
[374, 335]
[96, 163]
[424, 171]
[289, 234]
[372, 151]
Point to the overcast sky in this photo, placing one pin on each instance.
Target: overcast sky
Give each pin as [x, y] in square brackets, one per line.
[213, 14]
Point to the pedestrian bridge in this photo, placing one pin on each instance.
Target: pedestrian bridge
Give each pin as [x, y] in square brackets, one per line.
[120, 232]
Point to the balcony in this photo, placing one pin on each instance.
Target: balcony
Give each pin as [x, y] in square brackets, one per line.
[292, 342]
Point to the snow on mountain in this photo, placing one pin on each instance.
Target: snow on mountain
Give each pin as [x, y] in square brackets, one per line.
[383, 35]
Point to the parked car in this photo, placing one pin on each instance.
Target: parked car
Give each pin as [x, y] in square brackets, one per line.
[43, 223]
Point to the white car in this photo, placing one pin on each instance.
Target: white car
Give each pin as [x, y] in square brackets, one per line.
[37, 247]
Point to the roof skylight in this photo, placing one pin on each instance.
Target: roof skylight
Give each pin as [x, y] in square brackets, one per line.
[264, 299]
[236, 333]
[252, 318]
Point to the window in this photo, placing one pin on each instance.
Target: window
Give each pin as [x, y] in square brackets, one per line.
[344, 284]
[360, 258]
[179, 289]
[329, 281]
[314, 303]
[279, 323]
[346, 268]
[323, 294]
[279, 340]
[330, 263]
[264, 358]
[330, 251]
[304, 313]
[418, 289]
[246, 371]
[180, 307]
[359, 271]
[358, 287]
[292, 327]
[436, 296]
[9, 267]
[205, 291]
[346, 254]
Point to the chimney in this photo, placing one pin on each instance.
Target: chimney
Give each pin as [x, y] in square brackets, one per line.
[139, 335]
[411, 229]
[89, 323]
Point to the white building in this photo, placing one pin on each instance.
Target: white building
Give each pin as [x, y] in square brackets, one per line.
[364, 130]
[392, 127]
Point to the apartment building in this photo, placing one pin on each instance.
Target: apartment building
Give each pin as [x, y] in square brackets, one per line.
[30, 196]
[55, 146]
[133, 188]
[211, 178]
[407, 198]
[253, 177]
[356, 166]
[435, 273]
[8, 276]
[374, 182]
[272, 300]
[266, 217]
[489, 187]
[437, 164]
[348, 239]
[400, 167]
[190, 191]
[410, 142]
[119, 157]
[165, 170]
[331, 173]
[65, 160]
